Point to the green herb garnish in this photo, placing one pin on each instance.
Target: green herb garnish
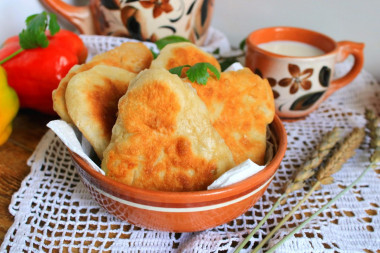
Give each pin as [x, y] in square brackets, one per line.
[216, 51]
[225, 63]
[242, 44]
[161, 43]
[34, 35]
[198, 72]
[154, 54]
[178, 70]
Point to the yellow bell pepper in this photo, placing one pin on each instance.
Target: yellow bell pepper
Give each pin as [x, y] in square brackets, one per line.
[9, 105]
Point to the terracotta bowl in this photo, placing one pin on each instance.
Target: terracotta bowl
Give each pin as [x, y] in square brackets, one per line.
[181, 211]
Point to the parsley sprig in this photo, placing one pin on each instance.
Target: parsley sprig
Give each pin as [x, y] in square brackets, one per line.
[34, 35]
[198, 72]
[161, 43]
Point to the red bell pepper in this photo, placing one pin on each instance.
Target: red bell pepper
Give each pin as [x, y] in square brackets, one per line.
[35, 73]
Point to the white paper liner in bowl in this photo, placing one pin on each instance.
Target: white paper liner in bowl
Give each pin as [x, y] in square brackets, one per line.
[75, 141]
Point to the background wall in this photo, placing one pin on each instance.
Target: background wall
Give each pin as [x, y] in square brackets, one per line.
[340, 19]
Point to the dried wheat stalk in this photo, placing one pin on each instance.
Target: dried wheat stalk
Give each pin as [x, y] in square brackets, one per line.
[307, 170]
[324, 174]
[352, 141]
[303, 174]
[340, 155]
[373, 125]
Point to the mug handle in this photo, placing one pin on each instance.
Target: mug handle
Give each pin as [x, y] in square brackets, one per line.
[346, 48]
[79, 16]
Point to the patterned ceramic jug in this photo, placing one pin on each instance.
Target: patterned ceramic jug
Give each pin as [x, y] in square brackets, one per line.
[146, 20]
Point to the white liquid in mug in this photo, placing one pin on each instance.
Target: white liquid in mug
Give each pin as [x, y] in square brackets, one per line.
[291, 48]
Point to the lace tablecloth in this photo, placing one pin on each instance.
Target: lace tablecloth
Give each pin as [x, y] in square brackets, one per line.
[54, 212]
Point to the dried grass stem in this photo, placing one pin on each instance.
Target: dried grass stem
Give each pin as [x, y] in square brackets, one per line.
[340, 155]
[373, 125]
[306, 171]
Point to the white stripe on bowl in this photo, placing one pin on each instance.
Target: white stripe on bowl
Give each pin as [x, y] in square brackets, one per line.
[180, 209]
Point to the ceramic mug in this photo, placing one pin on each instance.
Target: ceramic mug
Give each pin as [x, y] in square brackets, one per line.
[299, 65]
[145, 20]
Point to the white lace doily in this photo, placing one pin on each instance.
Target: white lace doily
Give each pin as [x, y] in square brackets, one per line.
[54, 212]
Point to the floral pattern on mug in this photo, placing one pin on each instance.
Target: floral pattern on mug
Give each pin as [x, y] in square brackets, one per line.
[159, 6]
[306, 101]
[272, 82]
[324, 76]
[297, 79]
[150, 20]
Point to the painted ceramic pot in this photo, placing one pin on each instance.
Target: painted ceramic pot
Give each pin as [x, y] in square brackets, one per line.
[145, 20]
[300, 82]
[181, 211]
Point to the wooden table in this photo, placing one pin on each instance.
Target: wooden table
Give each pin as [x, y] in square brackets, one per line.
[28, 128]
